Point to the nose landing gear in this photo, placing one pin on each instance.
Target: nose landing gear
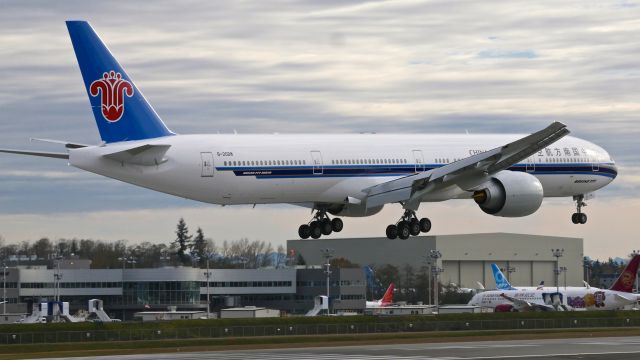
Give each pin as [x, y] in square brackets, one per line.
[579, 217]
[408, 225]
[320, 225]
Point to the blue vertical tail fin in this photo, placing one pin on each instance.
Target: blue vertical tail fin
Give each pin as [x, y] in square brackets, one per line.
[501, 282]
[121, 111]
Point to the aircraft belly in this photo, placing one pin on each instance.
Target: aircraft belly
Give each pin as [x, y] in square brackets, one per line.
[569, 185]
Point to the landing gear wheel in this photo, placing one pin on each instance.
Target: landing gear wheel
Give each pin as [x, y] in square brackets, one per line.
[316, 232]
[582, 218]
[304, 231]
[579, 217]
[392, 232]
[425, 225]
[337, 225]
[414, 227]
[326, 227]
[574, 218]
[403, 230]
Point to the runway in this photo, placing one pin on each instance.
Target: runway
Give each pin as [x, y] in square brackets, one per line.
[619, 348]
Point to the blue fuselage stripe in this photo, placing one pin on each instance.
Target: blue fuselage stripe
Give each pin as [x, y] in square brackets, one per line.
[272, 172]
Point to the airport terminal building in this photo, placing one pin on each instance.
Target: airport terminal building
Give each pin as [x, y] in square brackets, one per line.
[465, 258]
[127, 291]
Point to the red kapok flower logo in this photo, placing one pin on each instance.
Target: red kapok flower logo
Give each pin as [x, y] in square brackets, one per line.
[112, 88]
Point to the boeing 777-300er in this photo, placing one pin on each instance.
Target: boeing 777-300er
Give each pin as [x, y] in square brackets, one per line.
[564, 298]
[386, 300]
[341, 175]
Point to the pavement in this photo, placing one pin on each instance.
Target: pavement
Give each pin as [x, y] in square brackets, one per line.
[619, 348]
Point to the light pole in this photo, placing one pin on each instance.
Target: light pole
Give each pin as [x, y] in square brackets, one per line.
[4, 287]
[125, 259]
[208, 275]
[557, 253]
[563, 269]
[436, 273]
[633, 254]
[435, 255]
[57, 276]
[164, 257]
[428, 282]
[587, 266]
[328, 254]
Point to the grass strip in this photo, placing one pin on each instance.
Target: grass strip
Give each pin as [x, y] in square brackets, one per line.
[22, 351]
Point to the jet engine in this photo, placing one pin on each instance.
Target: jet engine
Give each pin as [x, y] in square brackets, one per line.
[353, 210]
[510, 194]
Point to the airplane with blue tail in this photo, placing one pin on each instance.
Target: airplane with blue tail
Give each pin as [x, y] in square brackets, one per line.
[342, 175]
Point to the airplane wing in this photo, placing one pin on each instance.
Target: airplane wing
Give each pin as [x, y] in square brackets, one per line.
[624, 299]
[466, 173]
[526, 305]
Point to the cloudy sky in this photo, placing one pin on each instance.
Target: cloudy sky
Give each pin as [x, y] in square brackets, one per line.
[319, 66]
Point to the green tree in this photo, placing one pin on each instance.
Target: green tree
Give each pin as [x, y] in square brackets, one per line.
[199, 247]
[182, 242]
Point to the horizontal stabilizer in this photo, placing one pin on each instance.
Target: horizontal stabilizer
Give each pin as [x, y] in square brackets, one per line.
[37, 153]
[67, 144]
[146, 155]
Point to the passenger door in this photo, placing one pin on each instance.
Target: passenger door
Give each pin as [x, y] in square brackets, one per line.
[419, 159]
[316, 159]
[207, 164]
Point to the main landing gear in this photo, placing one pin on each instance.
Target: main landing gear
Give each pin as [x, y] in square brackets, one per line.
[320, 225]
[579, 217]
[408, 225]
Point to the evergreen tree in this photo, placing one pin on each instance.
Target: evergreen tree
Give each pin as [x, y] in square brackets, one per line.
[199, 247]
[182, 242]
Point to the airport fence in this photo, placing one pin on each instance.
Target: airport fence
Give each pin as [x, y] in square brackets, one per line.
[310, 329]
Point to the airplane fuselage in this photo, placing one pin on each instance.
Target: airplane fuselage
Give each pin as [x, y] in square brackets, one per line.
[572, 298]
[262, 169]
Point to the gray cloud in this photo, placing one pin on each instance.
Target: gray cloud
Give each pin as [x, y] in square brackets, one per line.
[307, 66]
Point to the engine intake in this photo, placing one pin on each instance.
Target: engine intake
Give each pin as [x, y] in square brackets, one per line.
[510, 194]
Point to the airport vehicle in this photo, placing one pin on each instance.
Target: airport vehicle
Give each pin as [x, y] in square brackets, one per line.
[386, 300]
[341, 175]
[570, 298]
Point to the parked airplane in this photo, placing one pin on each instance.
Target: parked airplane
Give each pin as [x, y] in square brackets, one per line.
[386, 300]
[571, 298]
[503, 284]
[342, 175]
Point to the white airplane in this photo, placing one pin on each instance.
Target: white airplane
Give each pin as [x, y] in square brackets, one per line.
[342, 175]
[386, 300]
[569, 298]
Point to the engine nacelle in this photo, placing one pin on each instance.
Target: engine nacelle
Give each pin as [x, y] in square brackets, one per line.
[353, 210]
[510, 194]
